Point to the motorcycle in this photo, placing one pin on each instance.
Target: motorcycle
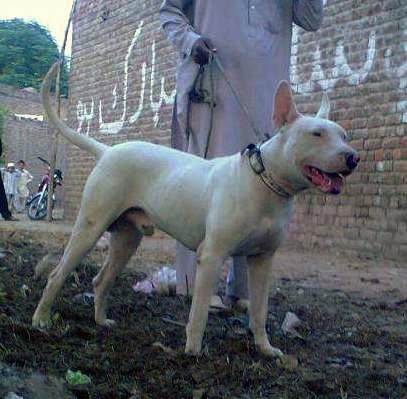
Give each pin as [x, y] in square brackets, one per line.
[37, 206]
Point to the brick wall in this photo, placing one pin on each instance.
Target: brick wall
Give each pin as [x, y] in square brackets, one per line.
[360, 58]
[122, 82]
[25, 136]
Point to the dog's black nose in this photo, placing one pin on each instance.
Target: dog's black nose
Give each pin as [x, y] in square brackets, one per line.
[352, 160]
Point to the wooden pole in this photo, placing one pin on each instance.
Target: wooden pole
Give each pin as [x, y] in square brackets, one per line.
[54, 152]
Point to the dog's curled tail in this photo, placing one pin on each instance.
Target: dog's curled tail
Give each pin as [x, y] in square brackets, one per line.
[86, 143]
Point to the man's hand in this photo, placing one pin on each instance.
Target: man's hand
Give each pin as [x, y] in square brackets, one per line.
[202, 51]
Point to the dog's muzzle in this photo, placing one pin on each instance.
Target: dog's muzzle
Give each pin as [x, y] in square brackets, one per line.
[352, 160]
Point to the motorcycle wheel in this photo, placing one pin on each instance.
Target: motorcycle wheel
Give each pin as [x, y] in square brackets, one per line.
[37, 210]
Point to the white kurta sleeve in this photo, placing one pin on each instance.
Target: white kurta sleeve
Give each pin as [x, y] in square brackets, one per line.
[177, 27]
[308, 14]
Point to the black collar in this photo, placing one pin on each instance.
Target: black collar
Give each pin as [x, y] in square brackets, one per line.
[256, 163]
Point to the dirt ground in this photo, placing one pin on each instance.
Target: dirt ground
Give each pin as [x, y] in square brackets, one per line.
[352, 341]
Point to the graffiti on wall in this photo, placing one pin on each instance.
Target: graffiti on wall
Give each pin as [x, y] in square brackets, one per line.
[401, 74]
[327, 79]
[319, 78]
[341, 69]
[85, 113]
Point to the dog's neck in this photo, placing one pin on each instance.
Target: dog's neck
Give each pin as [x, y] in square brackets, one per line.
[267, 160]
[256, 162]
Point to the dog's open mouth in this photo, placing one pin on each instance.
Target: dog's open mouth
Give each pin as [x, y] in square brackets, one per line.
[331, 183]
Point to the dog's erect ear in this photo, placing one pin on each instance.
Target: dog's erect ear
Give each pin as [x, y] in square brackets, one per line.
[324, 108]
[284, 106]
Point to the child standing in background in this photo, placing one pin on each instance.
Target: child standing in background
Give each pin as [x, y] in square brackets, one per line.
[22, 186]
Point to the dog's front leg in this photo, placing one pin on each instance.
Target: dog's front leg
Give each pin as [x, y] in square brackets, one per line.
[209, 262]
[259, 271]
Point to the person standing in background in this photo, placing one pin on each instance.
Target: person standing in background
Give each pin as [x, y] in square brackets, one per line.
[252, 41]
[22, 186]
[10, 178]
[4, 209]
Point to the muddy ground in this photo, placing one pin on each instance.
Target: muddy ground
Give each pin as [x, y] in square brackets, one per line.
[350, 344]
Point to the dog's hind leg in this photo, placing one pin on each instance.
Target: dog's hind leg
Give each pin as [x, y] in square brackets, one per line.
[84, 236]
[124, 240]
[259, 270]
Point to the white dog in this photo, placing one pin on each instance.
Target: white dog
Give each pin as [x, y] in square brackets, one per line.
[234, 205]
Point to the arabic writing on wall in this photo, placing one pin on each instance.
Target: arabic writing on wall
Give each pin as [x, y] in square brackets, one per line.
[326, 79]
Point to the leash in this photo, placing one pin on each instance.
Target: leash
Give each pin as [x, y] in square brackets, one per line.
[254, 151]
[200, 95]
[260, 136]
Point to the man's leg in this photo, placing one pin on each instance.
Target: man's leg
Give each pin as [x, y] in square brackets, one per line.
[4, 211]
[17, 201]
[236, 283]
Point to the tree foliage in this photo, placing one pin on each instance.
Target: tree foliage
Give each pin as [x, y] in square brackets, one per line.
[27, 50]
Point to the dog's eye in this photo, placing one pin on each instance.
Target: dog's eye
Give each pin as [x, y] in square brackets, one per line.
[317, 134]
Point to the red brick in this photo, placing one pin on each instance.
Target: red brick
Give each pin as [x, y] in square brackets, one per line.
[391, 142]
[379, 154]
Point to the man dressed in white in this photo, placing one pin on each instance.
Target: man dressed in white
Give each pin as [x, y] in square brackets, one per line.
[252, 39]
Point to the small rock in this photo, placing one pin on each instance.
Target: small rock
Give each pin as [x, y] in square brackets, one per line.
[5, 252]
[12, 395]
[85, 297]
[370, 280]
[198, 393]
[291, 321]
[25, 290]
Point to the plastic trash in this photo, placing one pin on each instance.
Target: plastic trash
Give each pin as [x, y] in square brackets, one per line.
[163, 282]
[290, 323]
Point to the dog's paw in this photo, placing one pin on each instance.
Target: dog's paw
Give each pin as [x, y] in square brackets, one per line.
[270, 351]
[192, 352]
[192, 349]
[41, 321]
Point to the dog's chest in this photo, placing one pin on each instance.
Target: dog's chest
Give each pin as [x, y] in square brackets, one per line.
[264, 236]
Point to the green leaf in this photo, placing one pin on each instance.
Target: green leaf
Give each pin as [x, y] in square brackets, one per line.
[27, 51]
[77, 378]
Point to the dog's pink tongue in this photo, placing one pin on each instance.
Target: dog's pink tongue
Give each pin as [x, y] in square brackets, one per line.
[318, 178]
[322, 181]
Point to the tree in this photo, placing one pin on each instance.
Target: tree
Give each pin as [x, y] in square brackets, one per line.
[27, 50]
